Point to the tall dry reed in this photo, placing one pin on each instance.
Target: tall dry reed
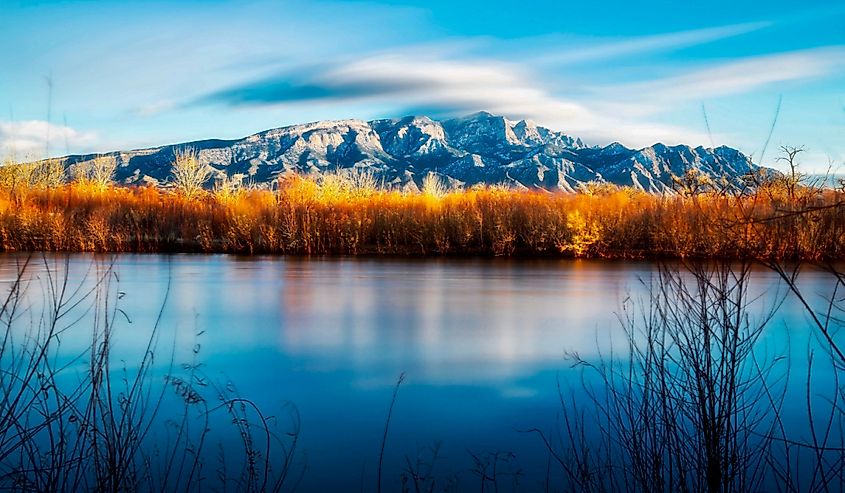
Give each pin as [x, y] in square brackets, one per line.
[335, 215]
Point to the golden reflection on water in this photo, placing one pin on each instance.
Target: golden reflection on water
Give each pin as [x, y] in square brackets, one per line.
[447, 321]
[452, 321]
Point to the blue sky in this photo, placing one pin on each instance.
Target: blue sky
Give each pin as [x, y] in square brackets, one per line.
[81, 76]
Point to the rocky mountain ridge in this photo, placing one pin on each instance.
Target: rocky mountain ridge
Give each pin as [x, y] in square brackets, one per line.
[478, 149]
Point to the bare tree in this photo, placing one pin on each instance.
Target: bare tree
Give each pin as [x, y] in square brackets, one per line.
[793, 178]
[98, 172]
[18, 177]
[692, 183]
[49, 173]
[189, 174]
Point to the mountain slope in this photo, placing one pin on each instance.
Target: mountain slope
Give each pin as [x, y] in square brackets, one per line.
[478, 149]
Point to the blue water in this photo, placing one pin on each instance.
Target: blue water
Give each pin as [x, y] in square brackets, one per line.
[481, 342]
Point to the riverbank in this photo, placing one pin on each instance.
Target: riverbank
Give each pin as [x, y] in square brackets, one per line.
[310, 217]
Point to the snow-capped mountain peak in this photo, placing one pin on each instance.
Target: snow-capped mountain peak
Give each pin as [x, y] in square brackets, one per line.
[479, 148]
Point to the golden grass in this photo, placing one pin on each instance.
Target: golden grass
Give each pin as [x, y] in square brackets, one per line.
[331, 216]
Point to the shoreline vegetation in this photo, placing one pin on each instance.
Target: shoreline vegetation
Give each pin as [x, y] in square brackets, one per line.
[692, 402]
[45, 207]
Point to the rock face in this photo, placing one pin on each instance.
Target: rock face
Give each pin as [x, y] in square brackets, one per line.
[477, 149]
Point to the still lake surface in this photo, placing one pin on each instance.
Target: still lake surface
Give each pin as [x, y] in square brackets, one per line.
[482, 344]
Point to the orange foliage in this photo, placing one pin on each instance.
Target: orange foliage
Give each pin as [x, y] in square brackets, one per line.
[310, 217]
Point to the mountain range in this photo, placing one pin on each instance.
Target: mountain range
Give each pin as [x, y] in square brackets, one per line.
[477, 149]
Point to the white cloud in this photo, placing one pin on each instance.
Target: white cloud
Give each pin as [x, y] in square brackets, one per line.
[645, 44]
[336, 65]
[435, 85]
[452, 82]
[27, 140]
[738, 76]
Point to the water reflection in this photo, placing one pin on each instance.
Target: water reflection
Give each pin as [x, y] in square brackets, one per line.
[482, 341]
[445, 323]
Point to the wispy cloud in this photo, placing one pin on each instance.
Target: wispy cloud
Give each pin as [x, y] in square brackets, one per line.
[422, 71]
[513, 78]
[261, 63]
[445, 84]
[431, 85]
[737, 76]
[604, 50]
[26, 140]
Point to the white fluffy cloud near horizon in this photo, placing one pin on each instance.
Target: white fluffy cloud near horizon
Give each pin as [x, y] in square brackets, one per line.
[36, 139]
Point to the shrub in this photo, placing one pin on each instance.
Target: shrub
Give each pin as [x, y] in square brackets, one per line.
[189, 173]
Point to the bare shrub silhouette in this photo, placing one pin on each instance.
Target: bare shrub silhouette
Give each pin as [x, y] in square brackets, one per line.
[189, 173]
[686, 406]
[85, 422]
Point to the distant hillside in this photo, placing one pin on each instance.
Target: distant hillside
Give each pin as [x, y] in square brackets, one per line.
[480, 148]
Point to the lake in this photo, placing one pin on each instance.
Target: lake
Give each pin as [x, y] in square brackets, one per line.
[481, 343]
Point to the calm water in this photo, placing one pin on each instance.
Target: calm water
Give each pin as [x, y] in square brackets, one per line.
[481, 342]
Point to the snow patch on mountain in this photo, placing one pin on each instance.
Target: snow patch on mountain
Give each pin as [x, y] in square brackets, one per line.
[477, 149]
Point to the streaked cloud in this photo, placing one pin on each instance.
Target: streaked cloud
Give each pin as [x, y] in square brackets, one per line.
[637, 74]
[738, 76]
[448, 85]
[603, 50]
[433, 85]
